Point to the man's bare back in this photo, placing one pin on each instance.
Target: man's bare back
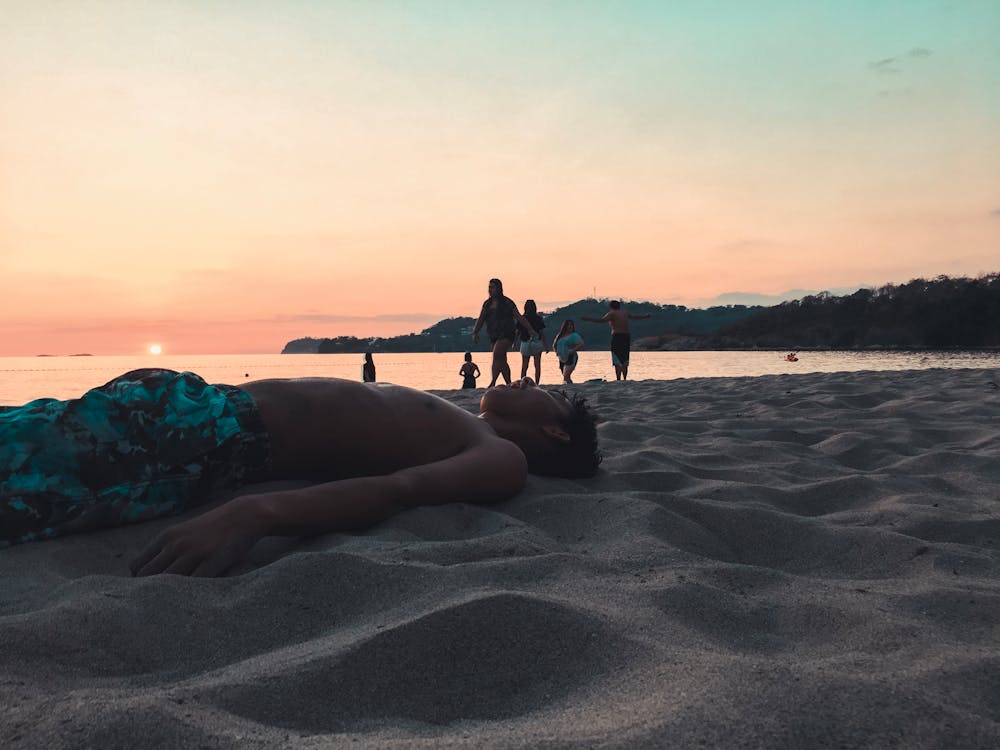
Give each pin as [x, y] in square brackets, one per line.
[327, 428]
[618, 319]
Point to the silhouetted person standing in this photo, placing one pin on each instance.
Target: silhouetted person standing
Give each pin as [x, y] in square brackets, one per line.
[469, 372]
[368, 369]
[567, 345]
[500, 316]
[621, 338]
[532, 348]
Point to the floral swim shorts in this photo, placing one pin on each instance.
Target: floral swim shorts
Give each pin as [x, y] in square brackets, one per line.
[150, 443]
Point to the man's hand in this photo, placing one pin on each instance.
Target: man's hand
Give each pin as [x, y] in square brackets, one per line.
[204, 546]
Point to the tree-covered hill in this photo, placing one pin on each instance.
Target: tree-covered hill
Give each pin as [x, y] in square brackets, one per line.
[455, 334]
[943, 313]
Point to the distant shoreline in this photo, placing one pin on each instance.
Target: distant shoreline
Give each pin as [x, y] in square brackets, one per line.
[637, 347]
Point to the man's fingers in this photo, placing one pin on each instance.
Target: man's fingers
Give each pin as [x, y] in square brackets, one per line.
[148, 553]
[212, 567]
[158, 564]
[183, 566]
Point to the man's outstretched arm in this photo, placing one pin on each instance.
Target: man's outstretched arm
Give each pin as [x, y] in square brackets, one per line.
[208, 545]
[640, 316]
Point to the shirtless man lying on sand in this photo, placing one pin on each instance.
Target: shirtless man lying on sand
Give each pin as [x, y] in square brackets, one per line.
[156, 442]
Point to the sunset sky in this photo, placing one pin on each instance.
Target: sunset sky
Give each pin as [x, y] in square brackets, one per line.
[226, 176]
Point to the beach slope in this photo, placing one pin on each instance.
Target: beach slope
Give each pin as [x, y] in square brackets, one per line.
[782, 562]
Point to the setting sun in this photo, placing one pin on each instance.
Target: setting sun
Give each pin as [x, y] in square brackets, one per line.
[155, 349]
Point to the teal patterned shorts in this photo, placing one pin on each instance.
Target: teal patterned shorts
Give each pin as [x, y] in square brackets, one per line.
[150, 443]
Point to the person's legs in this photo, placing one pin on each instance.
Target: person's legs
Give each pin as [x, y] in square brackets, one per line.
[538, 368]
[499, 365]
[620, 346]
[524, 364]
[569, 366]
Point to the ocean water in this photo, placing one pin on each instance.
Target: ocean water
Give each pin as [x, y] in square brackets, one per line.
[25, 378]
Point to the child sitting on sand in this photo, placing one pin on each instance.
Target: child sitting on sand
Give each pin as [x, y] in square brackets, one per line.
[156, 442]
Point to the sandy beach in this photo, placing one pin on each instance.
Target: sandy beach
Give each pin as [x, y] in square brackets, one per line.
[781, 562]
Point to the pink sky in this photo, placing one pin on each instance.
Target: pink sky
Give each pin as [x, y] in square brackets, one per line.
[227, 179]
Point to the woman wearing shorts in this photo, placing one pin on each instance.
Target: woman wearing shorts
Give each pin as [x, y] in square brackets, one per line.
[568, 342]
[532, 347]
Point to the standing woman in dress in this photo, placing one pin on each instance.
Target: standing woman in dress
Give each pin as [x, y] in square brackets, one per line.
[500, 316]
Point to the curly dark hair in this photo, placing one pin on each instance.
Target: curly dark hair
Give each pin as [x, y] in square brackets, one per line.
[581, 456]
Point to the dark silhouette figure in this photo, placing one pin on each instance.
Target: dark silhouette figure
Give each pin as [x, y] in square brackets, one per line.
[368, 369]
[469, 372]
[621, 338]
[532, 347]
[500, 316]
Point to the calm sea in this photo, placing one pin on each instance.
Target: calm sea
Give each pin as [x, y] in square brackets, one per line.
[25, 378]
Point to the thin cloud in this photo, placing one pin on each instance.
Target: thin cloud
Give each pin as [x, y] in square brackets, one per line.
[995, 214]
[394, 318]
[883, 66]
[891, 64]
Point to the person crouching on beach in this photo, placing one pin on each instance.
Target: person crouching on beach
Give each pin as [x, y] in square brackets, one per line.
[156, 442]
[568, 342]
[500, 315]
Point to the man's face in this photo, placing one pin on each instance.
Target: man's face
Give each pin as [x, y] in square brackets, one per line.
[522, 402]
[494, 289]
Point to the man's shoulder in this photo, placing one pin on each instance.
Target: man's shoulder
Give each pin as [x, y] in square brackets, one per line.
[500, 460]
[499, 447]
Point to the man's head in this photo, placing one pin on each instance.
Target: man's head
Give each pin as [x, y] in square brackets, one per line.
[557, 432]
[496, 288]
[614, 305]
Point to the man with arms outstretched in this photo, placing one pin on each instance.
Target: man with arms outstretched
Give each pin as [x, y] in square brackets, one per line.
[155, 442]
[621, 338]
